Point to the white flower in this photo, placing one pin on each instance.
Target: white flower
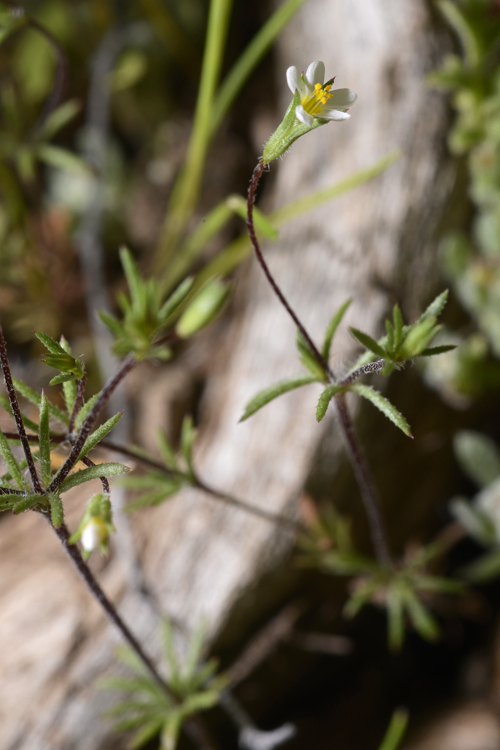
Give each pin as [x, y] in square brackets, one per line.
[94, 534]
[317, 100]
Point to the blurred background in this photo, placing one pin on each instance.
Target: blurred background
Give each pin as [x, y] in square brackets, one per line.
[97, 115]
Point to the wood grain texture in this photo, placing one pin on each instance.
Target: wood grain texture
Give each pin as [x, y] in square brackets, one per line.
[201, 558]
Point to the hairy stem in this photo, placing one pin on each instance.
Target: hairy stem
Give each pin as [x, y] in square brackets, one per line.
[78, 402]
[4, 360]
[354, 451]
[194, 727]
[128, 364]
[365, 483]
[257, 173]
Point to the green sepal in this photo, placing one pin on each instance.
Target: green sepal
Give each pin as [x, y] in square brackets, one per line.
[385, 406]
[287, 132]
[419, 337]
[278, 389]
[92, 472]
[332, 328]
[324, 400]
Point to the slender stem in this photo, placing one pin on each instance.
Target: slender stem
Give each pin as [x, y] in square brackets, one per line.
[78, 403]
[257, 173]
[354, 451]
[201, 485]
[128, 363]
[194, 727]
[11, 392]
[104, 480]
[365, 483]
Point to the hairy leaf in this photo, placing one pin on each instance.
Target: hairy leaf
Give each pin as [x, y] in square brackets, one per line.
[385, 406]
[278, 389]
[332, 328]
[325, 398]
[92, 472]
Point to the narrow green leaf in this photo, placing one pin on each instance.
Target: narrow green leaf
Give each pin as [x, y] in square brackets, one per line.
[166, 450]
[111, 322]
[385, 406]
[421, 618]
[395, 615]
[188, 436]
[59, 379]
[11, 463]
[390, 335]
[176, 299]
[398, 326]
[99, 434]
[325, 398]
[28, 423]
[433, 350]
[56, 509]
[92, 472]
[36, 399]
[438, 584]
[27, 502]
[59, 118]
[44, 442]
[60, 158]
[478, 456]
[278, 389]
[332, 328]
[85, 410]
[396, 730]
[50, 344]
[368, 343]
[309, 360]
[134, 281]
[486, 568]
[147, 732]
[436, 307]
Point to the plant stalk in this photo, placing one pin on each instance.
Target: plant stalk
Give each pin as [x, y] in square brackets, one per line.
[357, 460]
[194, 727]
[11, 392]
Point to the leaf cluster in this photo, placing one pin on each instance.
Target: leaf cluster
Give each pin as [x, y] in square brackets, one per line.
[400, 344]
[176, 471]
[479, 458]
[147, 709]
[145, 317]
[401, 590]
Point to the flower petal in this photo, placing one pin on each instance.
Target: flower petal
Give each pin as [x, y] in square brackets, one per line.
[333, 114]
[342, 98]
[304, 116]
[315, 73]
[293, 79]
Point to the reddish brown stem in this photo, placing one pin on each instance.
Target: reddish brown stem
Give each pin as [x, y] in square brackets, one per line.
[354, 451]
[11, 392]
[128, 363]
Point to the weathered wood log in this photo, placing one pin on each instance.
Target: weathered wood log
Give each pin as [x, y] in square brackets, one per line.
[201, 558]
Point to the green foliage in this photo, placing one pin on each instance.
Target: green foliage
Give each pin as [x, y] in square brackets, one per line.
[404, 342]
[474, 81]
[278, 389]
[93, 472]
[204, 309]
[60, 359]
[145, 317]
[148, 709]
[96, 524]
[162, 483]
[395, 731]
[401, 590]
[385, 406]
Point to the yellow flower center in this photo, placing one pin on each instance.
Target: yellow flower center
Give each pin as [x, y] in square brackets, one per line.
[313, 103]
